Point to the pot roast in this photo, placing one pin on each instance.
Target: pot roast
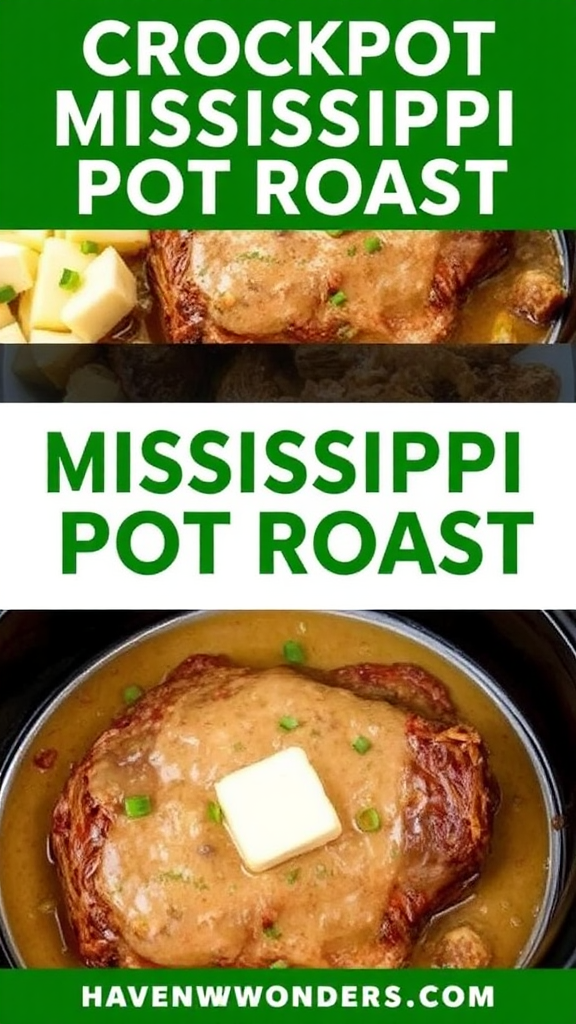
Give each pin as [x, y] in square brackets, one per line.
[319, 286]
[168, 889]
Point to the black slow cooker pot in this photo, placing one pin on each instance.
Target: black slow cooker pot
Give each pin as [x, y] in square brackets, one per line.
[566, 330]
[531, 655]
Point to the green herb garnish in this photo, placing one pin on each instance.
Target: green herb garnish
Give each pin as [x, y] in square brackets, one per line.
[138, 806]
[70, 280]
[89, 248]
[372, 245]
[335, 234]
[293, 652]
[362, 744]
[272, 932]
[215, 812]
[293, 876]
[278, 964]
[288, 723]
[132, 694]
[7, 294]
[368, 820]
[339, 299]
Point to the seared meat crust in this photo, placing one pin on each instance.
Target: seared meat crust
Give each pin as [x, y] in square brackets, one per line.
[446, 801]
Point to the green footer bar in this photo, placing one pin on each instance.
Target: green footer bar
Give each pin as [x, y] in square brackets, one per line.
[340, 997]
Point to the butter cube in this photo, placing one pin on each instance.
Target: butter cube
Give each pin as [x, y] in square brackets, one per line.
[49, 298]
[17, 266]
[33, 239]
[93, 383]
[108, 294]
[6, 315]
[127, 242]
[12, 335]
[277, 809]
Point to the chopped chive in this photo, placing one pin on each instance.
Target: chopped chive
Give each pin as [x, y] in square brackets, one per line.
[137, 806]
[7, 294]
[70, 280]
[288, 723]
[335, 234]
[339, 299]
[368, 820]
[361, 744]
[278, 964]
[215, 812]
[132, 694]
[272, 932]
[372, 245]
[293, 652]
[293, 876]
[352, 250]
[89, 247]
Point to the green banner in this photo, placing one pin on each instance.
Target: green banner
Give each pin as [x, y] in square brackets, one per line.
[470, 997]
[391, 114]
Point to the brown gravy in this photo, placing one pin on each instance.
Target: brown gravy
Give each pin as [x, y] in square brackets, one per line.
[503, 905]
[483, 319]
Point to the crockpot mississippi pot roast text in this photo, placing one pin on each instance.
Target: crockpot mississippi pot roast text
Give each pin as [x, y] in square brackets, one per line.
[339, 119]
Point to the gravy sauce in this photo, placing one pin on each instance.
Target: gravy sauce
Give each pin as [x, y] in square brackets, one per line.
[502, 907]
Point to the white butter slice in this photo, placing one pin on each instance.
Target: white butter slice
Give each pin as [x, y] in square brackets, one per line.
[277, 809]
[33, 239]
[109, 293]
[17, 266]
[49, 299]
[127, 242]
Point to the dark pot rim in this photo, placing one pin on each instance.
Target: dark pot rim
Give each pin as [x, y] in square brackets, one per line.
[552, 912]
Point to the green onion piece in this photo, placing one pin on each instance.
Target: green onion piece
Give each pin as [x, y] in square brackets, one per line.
[272, 932]
[293, 652]
[368, 820]
[361, 744]
[215, 812]
[132, 694]
[137, 806]
[278, 964]
[372, 245]
[293, 876]
[88, 247]
[288, 723]
[335, 234]
[70, 280]
[7, 294]
[339, 299]
[352, 250]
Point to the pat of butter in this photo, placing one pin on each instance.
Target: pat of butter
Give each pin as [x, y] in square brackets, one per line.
[127, 242]
[49, 298]
[277, 809]
[108, 294]
[18, 266]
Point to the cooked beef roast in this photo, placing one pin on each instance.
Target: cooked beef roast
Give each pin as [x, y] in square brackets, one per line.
[299, 286]
[169, 890]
